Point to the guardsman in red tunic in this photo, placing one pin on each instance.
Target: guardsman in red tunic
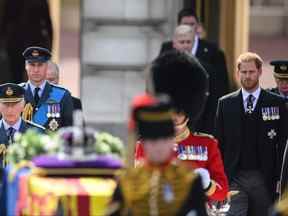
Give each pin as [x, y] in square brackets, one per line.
[197, 150]
[162, 185]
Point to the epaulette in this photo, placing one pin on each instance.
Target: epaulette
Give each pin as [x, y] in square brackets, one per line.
[34, 124]
[204, 135]
[59, 86]
[23, 84]
[271, 89]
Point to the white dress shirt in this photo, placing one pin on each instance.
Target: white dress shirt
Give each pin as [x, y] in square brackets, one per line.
[246, 94]
[42, 86]
[16, 126]
[195, 45]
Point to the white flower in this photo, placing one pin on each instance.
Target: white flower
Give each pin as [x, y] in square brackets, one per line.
[17, 137]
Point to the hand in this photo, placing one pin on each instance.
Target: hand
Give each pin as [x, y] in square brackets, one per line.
[205, 177]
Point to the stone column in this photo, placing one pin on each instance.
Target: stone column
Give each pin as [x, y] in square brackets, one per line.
[234, 31]
[118, 40]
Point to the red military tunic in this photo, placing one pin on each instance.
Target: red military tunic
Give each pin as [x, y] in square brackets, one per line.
[199, 151]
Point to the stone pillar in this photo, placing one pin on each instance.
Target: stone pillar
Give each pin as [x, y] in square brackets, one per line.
[55, 13]
[285, 18]
[118, 40]
[234, 31]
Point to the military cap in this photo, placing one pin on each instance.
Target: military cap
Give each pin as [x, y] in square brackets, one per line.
[184, 79]
[153, 116]
[36, 54]
[280, 69]
[11, 93]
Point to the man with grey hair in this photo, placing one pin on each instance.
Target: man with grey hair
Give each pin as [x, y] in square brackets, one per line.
[11, 106]
[53, 77]
[183, 38]
[213, 59]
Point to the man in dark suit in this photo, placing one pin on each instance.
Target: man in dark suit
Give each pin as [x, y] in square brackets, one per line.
[46, 104]
[213, 59]
[11, 106]
[53, 77]
[251, 128]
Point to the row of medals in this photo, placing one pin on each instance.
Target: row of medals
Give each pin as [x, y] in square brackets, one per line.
[53, 111]
[270, 113]
[192, 152]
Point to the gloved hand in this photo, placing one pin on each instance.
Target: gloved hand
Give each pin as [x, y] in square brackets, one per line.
[205, 177]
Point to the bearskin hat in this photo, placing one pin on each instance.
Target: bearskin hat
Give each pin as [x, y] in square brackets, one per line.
[183, 78]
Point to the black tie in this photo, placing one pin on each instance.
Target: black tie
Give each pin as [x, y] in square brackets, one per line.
[36, 95]
[250, 101]
[10, 133]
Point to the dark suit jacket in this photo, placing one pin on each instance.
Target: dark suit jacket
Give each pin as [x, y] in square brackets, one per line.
[213, 60]
[66, 104]
[77, 105]
[229, 133]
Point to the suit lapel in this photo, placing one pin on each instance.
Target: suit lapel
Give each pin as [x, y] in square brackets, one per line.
[259, 103]
[238, 110]
[199, 50]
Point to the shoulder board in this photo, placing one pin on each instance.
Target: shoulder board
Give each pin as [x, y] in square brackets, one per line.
[35, 125]
[23, 84]
[272, 89]
[204, 135]
[59, 86]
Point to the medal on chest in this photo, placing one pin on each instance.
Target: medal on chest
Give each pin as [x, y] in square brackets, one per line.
[192, 152]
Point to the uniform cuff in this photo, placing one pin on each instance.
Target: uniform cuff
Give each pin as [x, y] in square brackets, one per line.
[211, 188]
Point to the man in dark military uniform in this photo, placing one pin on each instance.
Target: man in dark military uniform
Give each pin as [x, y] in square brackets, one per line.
[281, 78]
[160, 186]
[251, 125]
[11, 106]
[46, 104]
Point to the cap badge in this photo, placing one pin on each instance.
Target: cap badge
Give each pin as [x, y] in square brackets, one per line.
[9, 91]
[283, 67]
[35, 53]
